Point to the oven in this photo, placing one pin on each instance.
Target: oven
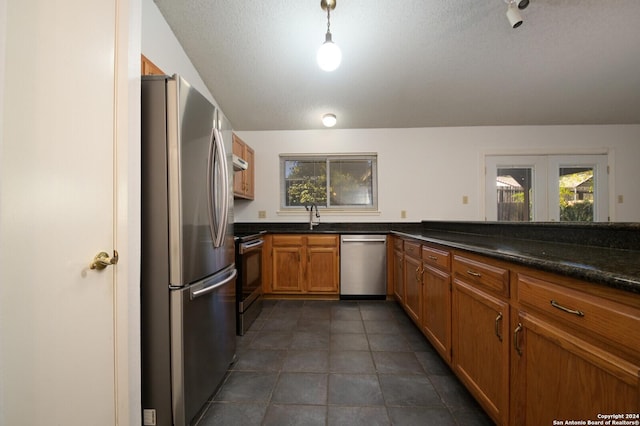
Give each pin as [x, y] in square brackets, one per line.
[249, 282]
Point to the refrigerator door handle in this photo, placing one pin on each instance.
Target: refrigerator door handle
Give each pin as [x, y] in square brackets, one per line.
[218, 214]
[207, 290]
[363, 240]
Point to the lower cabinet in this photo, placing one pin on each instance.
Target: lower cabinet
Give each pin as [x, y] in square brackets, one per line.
[481, 347]
[574, 355]
[436, 309]
[303, 264]
[398, 269]
[412, 267]
[531, 346]
[558, 376]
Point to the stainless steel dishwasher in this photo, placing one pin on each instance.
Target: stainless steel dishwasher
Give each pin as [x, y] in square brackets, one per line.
[363, 266]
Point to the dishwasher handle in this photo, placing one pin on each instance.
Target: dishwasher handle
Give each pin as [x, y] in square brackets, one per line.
[364, 240]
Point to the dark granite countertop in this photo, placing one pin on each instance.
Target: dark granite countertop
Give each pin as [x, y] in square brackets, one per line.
[603, 253]
[613, 267]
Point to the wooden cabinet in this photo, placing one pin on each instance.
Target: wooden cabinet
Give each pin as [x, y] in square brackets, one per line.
[480, 337]
[436, 298]
[398, 269]
[243, 181]
[288, 271]
[412, 267]
[148, 67]
[531, 346]
[573, 356]
[303, 264]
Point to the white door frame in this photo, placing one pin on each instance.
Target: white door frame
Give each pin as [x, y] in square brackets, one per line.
[127, 205]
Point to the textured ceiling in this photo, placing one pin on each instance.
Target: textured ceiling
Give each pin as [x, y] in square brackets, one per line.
[415, 63]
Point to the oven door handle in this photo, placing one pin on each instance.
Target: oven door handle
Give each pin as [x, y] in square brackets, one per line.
[251, 245]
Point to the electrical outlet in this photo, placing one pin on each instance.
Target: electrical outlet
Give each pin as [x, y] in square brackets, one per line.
[149, 417]
[262, 214]
[620, 199]
[403, 214]
[465, 199]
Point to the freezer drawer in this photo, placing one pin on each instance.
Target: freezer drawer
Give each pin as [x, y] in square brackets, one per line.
[363, 266]
[203, 336]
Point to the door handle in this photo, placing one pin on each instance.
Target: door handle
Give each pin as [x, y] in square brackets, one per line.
[497, 326]
[102, 260]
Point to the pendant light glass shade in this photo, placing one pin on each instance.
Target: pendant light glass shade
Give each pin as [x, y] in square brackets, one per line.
[329, 55]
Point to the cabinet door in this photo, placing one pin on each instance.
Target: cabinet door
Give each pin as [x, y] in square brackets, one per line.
[398, 276]
[480, 350]
[559, 376]
[413, 287]
[322, 269]
[237, 147]
[287, 269]
[436, 309]
[249, 189]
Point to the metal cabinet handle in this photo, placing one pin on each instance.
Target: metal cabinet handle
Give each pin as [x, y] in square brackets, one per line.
[474, 274]
[433, 257]
[497, 327]
[516, 344]
[419, 273]
[102, 260]
[570, 311]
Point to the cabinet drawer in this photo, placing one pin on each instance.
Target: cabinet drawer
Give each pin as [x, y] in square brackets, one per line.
[322, 240]
[612, 320]
[398, 244]
[412, 249]
[490, 277]
[287, 240]
[436, 257]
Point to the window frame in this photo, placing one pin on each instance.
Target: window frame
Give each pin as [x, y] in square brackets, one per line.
[328, 158]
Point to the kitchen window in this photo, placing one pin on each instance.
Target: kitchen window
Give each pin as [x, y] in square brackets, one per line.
[333, 182]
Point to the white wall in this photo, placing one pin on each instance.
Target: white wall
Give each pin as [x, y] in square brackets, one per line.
[161, 47]
[423, 171]
[426, 171]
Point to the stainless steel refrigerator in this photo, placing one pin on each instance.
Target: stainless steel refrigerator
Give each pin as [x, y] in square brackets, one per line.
[188, 271]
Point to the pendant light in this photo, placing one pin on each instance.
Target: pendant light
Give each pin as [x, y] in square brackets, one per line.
[329, 55]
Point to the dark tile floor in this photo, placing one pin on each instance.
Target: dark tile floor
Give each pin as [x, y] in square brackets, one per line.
[339, 363]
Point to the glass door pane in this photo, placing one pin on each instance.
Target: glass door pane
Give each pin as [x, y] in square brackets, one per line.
[514, 194]
[579, 188]
[575, 186]
[515, 188]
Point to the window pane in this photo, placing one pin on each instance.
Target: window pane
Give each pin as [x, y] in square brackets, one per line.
[514, 194]
[576, 194]
[351, 183]
[305, 182]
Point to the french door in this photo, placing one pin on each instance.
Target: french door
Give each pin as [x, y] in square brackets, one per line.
[565, 188]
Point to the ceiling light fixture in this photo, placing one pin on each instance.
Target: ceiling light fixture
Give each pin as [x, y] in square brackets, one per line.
[329, 55]
[513, 15]
[329, 120]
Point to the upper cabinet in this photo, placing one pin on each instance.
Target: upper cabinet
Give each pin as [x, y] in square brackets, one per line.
[149, 68]
[243, 181]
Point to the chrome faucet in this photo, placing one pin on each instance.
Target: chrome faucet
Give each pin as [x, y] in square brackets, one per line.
[310, 208]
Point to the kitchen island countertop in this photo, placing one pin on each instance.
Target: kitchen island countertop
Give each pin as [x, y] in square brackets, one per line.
[613, 267]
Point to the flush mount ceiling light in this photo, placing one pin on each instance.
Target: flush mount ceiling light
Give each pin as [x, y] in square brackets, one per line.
[329, 55]
[329, 120]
